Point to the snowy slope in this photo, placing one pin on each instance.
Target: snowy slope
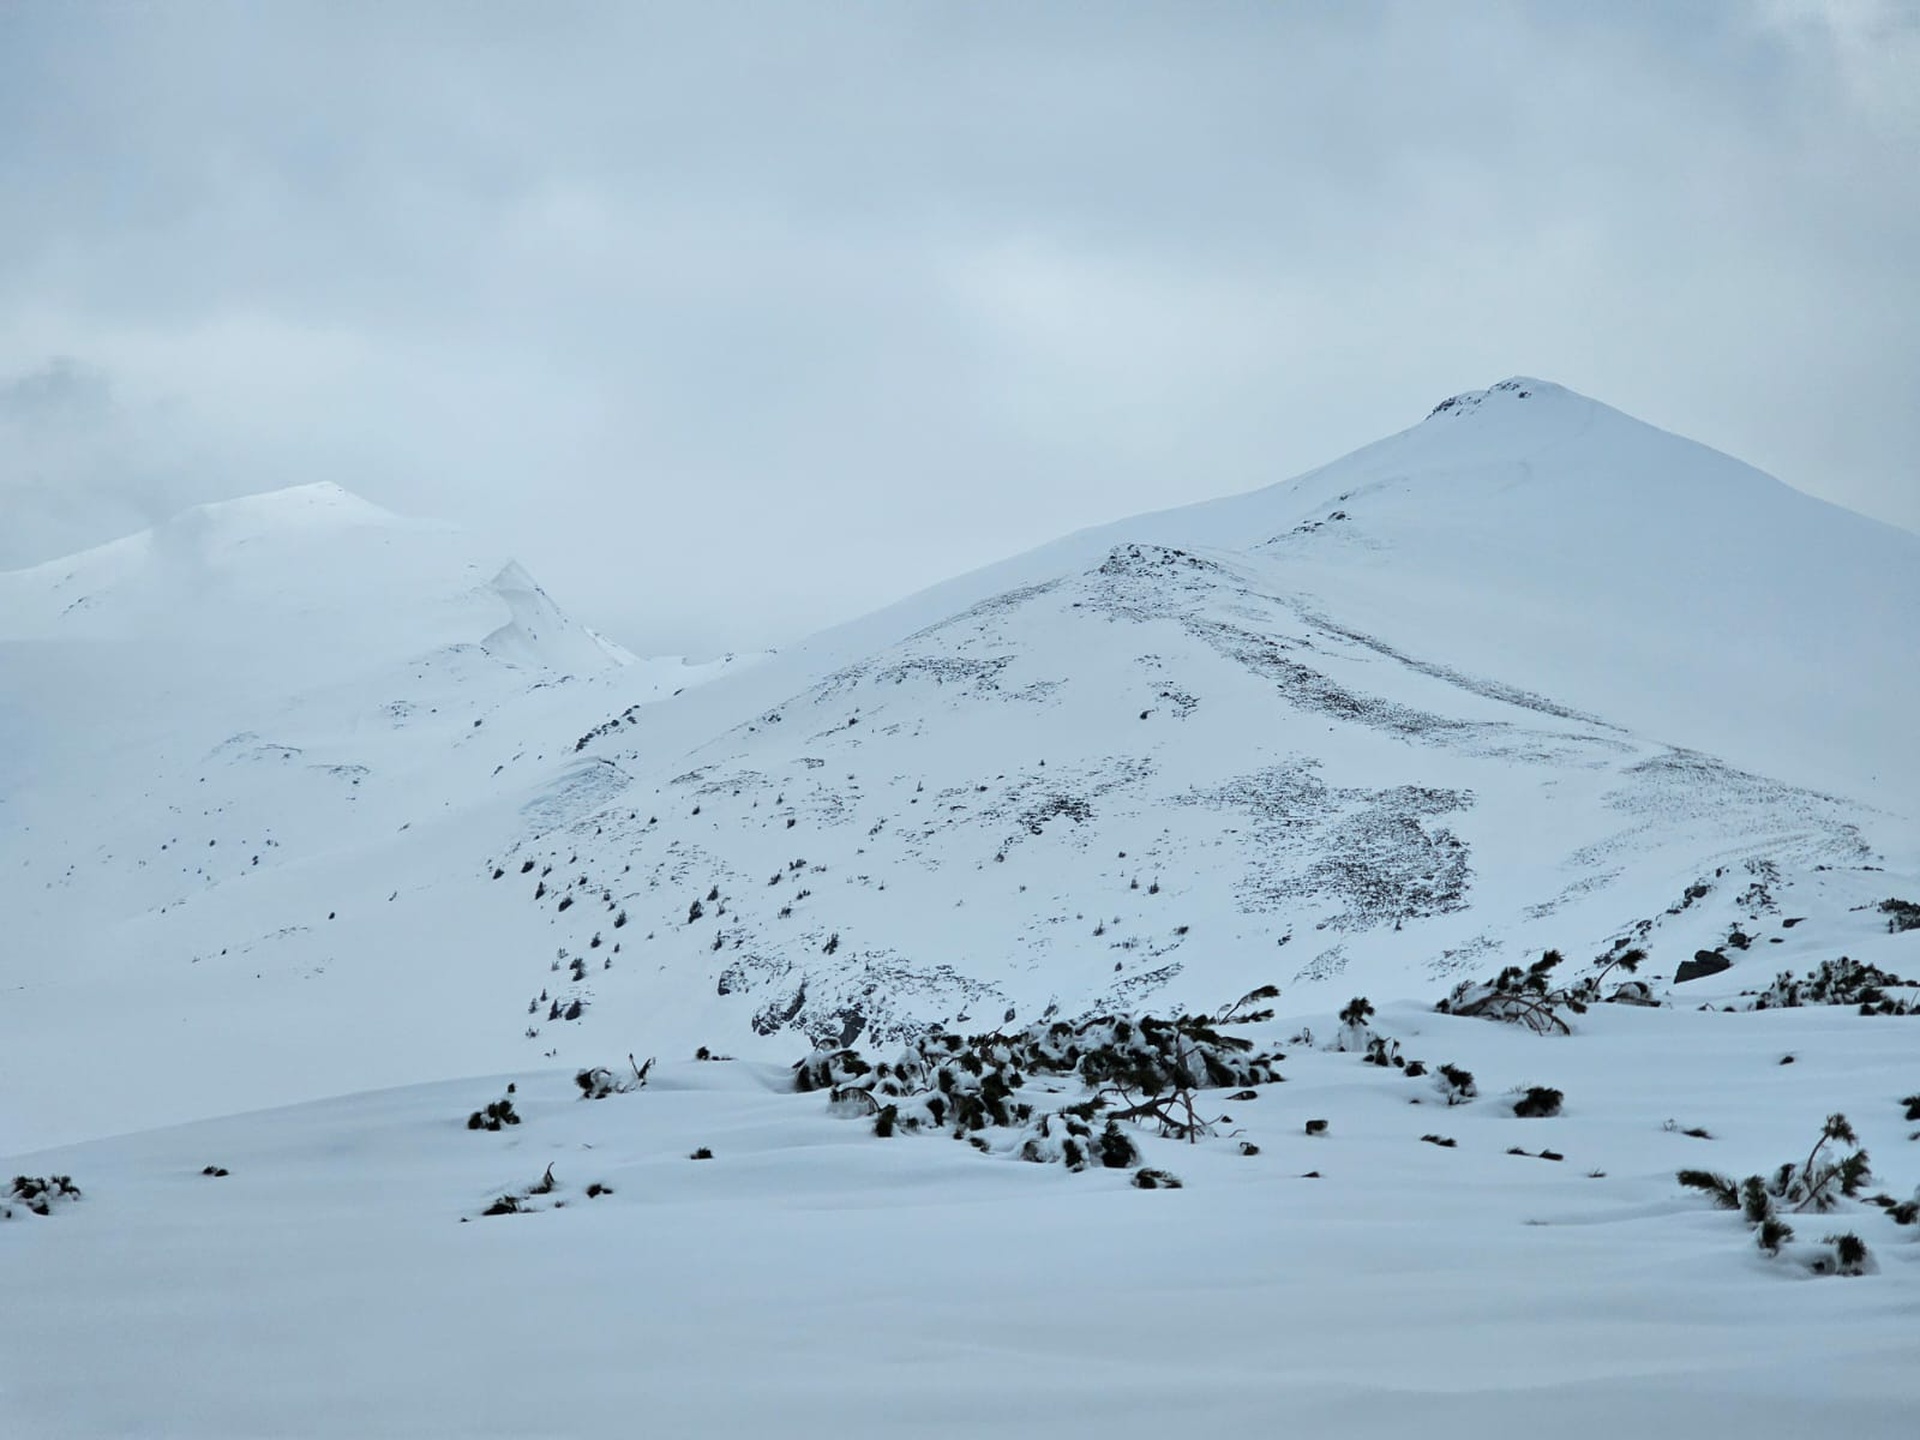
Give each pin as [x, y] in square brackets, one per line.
[1546, 541]
[212, 734]
[1462, 695]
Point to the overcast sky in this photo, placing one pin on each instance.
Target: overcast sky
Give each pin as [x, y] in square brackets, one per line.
[733, 320]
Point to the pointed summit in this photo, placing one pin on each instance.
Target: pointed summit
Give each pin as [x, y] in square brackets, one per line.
[1515, 389]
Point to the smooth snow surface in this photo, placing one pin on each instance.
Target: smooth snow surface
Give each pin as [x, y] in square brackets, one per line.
[303, 804]
[811, 1280]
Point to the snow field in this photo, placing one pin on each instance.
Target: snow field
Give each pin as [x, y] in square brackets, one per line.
[813, 1280]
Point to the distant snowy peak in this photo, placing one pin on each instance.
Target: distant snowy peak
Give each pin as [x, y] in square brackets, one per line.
[322, 503]
[300, 574]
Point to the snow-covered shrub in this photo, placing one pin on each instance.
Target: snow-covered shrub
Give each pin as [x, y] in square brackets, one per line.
[1724, 1192]
[1818, 1183]
[1148, 1179]
[1241, 1011]
[1592, 989]
[1902, 915]
[546, 1193]
[1354, 1032]
[1538, 1102]
[1528, 997]
[598, 1082]
[1456, 1084]
[1821, 1181]
[1848, 1256]
[1517, 996]
[40, 1194]
[1384, 1051]
[497, 1115]
[1062, 1089]
[1838, 982]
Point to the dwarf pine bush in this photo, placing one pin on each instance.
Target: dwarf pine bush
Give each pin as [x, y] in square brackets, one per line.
[1818, 1183]
[1527, 996]
[1517, 996]
[1844, 981]
[598, 1082]
[497, 1115]
[39, 1194]
[1538, 1102]
[1846, 1254]
[1456, 1084]
[1902, 915]
[1061, 1091]
[1724, 1192]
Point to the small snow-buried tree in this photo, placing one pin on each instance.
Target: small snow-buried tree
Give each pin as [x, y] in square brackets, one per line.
[1819, 1183]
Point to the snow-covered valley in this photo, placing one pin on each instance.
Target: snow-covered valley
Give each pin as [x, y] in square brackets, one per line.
[309, 813]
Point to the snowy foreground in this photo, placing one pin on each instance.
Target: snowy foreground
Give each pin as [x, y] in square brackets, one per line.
[811, 1279]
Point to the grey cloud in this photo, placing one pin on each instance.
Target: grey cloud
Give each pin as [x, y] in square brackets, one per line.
[734, 320]
[77, 467]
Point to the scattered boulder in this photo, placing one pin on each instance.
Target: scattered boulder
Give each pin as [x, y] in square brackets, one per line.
[1703, 963]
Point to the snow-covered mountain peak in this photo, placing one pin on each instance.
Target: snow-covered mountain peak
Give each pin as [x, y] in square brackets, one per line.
[306, 583]
[320, 502]
[1513, 390]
